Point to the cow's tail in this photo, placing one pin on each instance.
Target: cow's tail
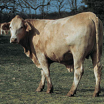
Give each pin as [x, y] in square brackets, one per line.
[97, 39]
[98, 31]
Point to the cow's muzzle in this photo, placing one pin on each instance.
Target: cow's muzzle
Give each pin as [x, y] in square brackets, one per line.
[13, 40]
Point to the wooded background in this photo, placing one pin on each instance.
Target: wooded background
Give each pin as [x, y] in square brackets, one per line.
[42, 8]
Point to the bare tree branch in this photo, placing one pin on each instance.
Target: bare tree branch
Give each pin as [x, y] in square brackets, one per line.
[72, 4]
[37, 6]
[21, 5]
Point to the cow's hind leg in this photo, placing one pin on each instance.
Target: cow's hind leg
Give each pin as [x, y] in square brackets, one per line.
[97, 72]
[78, 72]
[42, 82]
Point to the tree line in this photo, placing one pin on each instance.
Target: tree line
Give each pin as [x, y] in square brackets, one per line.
[42, 8]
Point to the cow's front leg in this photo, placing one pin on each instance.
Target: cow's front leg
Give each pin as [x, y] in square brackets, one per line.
[46, 72]
[42, 82]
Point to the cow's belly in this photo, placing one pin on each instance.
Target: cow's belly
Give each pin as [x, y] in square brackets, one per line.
[67, 57]
[61, 57]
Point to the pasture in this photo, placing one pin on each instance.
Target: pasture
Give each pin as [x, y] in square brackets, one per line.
[19, 78]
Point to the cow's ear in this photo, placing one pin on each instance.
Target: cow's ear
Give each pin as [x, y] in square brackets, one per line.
[5, 26]
[27, 26]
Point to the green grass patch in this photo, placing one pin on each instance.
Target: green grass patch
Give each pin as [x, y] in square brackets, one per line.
[19, 78]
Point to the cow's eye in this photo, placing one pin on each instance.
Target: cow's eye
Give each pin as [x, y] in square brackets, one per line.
[21, 27]
[11, 28]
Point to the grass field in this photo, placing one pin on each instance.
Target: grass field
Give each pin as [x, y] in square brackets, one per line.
[19, 79]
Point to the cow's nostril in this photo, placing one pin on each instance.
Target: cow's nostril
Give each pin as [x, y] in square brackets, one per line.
[15, 39]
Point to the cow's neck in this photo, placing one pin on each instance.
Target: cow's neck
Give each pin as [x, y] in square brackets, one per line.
[26, 44]
[29, 49]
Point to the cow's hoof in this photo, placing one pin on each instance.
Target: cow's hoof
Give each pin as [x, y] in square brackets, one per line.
[50, 90]
[95, 94]
[39, 89]
[70, 94]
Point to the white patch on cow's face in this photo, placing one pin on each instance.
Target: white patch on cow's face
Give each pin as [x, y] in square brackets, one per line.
[13, 33]
[16, 27]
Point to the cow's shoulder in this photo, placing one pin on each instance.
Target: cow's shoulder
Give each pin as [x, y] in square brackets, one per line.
[37, 42]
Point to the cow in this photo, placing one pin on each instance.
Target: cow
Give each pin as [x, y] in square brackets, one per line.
[5, 31]
[68, 40]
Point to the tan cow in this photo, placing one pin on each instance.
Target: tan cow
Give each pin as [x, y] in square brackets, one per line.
[68, 41]
[5, 31]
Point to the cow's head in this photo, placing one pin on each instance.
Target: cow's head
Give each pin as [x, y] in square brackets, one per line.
[18, 28]
[2, 31]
